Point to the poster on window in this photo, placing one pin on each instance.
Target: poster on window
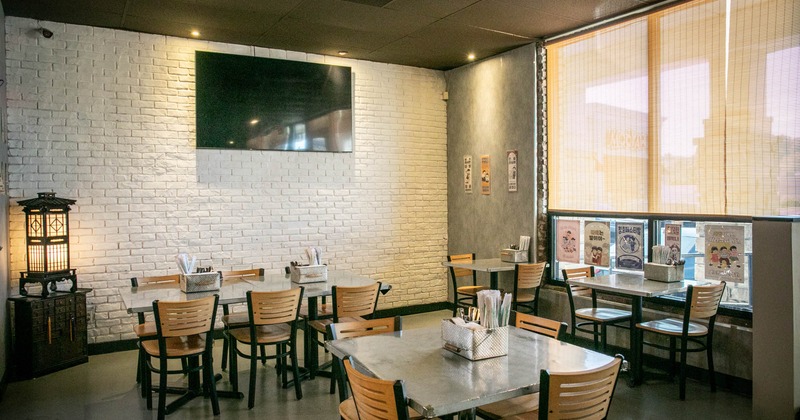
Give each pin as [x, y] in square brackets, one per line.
[567, 234]
[597, 243]
[512, 170]
[485, 176]
[724, 249]
[672, 240]
[630, 253]
[468, 174]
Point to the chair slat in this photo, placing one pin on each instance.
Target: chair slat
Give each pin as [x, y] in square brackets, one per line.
[529, 276]
[356, 301]
[461, 258]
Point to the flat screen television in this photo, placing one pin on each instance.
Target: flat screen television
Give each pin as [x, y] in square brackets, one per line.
[255, 103]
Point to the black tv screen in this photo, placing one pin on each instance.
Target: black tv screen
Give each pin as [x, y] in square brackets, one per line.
[256, 103]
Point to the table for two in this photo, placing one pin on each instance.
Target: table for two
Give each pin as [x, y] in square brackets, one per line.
[439, 382]
[233, 291]
[493, 266]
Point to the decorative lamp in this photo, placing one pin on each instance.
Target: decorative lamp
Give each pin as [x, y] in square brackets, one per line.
[47, 243]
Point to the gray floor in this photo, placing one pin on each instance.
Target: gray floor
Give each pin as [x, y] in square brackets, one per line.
[105, 388]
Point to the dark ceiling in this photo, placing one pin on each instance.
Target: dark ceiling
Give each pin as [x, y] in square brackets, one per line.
[436, 34]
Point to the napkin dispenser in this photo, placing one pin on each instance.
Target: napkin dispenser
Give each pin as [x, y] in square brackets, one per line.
[514, 255]
[308, 273]
[474, 344]
[200, 282]
[663, 272]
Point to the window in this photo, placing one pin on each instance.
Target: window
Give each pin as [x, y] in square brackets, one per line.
[693, 109]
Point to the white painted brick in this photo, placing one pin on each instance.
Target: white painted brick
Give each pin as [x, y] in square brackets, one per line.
[107, 117]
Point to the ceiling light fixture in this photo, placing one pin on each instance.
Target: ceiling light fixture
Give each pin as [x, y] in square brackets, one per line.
[470, 56]
[195, 33]
[342, 53]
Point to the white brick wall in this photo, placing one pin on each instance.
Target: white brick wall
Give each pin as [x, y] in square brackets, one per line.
[107, 117]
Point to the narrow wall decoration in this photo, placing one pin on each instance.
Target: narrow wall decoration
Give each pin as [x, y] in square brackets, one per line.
[486, 185]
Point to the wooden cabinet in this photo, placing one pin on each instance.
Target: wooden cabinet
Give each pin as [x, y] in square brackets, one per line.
[49, 333]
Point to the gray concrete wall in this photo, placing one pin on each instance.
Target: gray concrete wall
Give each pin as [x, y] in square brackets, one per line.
[491, 110]
[4, 269]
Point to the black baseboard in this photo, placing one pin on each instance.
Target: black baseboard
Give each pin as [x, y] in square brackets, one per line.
[4, 384]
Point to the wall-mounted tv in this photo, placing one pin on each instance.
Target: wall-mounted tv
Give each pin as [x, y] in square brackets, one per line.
[256, 103]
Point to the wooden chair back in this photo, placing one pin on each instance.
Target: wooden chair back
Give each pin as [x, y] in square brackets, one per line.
[184, 318]
[141, 281]
[529, 276]
[270, 308]
[341, 330]
[578, 273]
[704, 300]
[255, 272]
[359, 301]
[376, 399]
[578, 395]
[539, 325]
[461, 258]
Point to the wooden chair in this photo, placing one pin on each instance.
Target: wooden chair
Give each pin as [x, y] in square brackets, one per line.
[464, 295]
[237, 319]
[340, 330]
[185, 331]
[349, 304]
[527, 282]
[273, 319]
[702, 303]
[575, 395]
[529, 402]
[374, 399]
[146, 330]
[594, 316]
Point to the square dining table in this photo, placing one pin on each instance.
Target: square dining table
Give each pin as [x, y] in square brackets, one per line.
[439, 382]
[232, 291]
[635, 286]
[488, 265]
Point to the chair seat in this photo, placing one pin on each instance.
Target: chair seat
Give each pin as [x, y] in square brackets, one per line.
[534, 414]
[236, 319]
[674, 327]
[347, 409]
[147, 329]
[470, 290]
[266, 334]
[510, 407]
[602, 314]
[177, 346]
[525, 297]
[321, 325]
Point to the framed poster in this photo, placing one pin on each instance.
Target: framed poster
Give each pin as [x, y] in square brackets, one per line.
[567, 234]
[486, 185]
[724, 245]
[597, 243]
[672, 240]
[468, 174]
[512, 170]
[630, 252]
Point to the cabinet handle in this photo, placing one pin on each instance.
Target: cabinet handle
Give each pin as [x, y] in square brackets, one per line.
[49, 330]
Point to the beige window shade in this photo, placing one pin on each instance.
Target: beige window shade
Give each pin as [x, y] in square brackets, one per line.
[692, 109]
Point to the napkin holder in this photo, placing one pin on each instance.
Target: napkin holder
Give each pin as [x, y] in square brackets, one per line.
[514, 255]
[200, 282]
[474, 344]
[663, 272]
[308, 273]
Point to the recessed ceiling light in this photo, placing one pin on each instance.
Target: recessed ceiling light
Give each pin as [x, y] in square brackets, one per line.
[253, 122]
[195, 33]
[471, 56]
[342, 52]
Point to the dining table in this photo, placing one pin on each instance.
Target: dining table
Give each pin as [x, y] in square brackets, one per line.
[637, 287]
[439, 382]
[493, 266]
[234, 291]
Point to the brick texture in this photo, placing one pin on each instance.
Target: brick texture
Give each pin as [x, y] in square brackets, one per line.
[107, 117]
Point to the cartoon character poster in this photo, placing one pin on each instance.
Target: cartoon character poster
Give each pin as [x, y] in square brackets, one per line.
[597, 243]
[485, 175]
[567, 234]
[468, 174]
[512, 170]
[672, 240]
[630, 253]
[724, 253]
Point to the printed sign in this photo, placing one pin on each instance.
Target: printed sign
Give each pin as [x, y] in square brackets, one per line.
[724, 253]
[468, 174]
[630, 252]
[568, 232]
[597, 243]
[512, 170]
[485, 176]
[672, 240]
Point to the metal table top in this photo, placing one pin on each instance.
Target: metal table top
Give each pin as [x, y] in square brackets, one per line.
[488, 265]
[140, 299]
[632, 284]
[439, 382]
